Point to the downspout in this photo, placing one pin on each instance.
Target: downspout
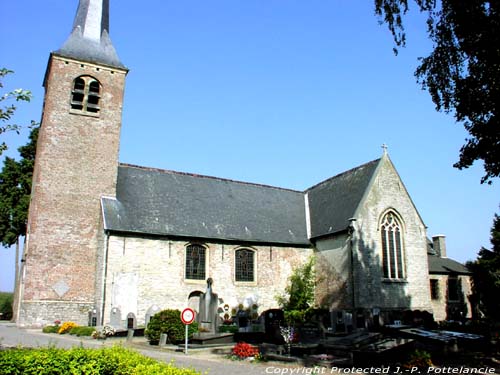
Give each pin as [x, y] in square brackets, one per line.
[104, 275]
[350, 231]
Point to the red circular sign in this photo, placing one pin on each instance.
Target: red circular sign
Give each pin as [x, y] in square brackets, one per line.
[187, 315]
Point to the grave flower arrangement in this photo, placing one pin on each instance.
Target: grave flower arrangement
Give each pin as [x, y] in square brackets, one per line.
[242, 350]
[103, 334]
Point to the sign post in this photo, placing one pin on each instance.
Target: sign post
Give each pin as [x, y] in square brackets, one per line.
[187, 317]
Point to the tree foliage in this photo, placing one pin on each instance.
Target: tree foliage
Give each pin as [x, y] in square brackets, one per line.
[15, 189]
[486, 275]
[462, 73]
[7, 111]
[298, 298]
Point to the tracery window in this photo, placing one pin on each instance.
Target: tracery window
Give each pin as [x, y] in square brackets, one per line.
[85, 95]
[244, 265]
[392, 247]
[195, 262]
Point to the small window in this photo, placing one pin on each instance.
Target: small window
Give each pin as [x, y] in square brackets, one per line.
[434, 289]
[244, 264]
[85, 95]
[392, 247]
[195, 262]
[453, 289]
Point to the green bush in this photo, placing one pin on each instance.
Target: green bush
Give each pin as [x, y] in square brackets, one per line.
[6, 305]
[79, 361]
[51, 329]
[82, 331]
[228, 329]
[169, 322]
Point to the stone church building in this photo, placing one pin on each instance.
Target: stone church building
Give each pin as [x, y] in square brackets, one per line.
[109, 242]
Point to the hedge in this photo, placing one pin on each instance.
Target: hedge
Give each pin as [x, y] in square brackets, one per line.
[79, 361]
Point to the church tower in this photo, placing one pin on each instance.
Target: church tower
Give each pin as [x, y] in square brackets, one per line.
[76, 164]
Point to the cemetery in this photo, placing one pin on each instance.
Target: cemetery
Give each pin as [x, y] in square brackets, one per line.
[324, 338]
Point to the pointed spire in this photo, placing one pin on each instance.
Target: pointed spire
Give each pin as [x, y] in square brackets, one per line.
[89, 40]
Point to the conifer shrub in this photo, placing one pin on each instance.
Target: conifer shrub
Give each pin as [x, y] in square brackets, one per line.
[82, 331]
[169, 322]
[78, 361]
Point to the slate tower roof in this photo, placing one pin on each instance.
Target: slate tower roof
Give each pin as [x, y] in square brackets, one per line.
[89, 39]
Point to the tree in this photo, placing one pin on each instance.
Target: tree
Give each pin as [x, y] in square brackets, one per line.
[15, 190]
[7, 111]
[462, 73]
[486, 275]
[298, 299]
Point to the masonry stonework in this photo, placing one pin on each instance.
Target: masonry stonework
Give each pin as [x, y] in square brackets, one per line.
[76, 161]
[144, 272]
[388, 193]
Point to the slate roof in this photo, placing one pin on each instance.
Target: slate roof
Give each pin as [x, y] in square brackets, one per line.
[334, 201]
[152, 201]
[445, 266]
[96, 47]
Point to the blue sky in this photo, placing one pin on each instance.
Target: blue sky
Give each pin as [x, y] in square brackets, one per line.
[284, 93]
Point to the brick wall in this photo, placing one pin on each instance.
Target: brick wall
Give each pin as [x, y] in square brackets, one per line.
[76, 163]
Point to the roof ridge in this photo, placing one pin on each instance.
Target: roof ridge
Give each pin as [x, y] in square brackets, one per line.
[342, 173]
[160, 170]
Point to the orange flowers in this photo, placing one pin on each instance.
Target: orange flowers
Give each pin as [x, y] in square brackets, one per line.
[243, 350]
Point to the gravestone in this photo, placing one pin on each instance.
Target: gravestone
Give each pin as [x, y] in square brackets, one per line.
[131, 321]
[273, 319]
[115, 318]
[242, 317]
[208, 311]
[153, 310]
[310, 333]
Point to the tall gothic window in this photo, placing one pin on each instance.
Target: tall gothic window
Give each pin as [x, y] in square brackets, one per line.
[195, 262]
[392, 247]
[244, 265]
[85, 95]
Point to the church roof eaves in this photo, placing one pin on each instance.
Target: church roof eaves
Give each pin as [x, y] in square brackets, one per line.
[160, 202]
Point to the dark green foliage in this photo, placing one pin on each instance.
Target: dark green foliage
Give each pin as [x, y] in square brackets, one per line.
[486, 275]
[463, 70]
[76, 361]
[51, 329]
[228, 329]
[169, 322]
[15, 191]
[298, 299]
[6, 305]
[82, 331]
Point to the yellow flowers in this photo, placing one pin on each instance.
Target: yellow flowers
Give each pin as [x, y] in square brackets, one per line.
[66, 327]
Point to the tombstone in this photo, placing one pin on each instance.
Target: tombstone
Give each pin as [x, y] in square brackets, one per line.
[208, 311]
[272, 321]
[115, 318]
[242, 318]
[310, 333]
[93, 318]
[131, 321]
[153, 310]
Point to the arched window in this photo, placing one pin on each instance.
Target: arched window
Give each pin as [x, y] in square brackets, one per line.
[244, 265]
[85, 95]
[392, 247]
[195, 262]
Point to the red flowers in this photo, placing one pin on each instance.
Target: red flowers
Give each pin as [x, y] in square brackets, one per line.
[243, 350]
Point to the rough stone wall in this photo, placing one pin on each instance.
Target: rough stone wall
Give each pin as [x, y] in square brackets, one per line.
[333, 270]
[143, 272]
[76, 163]
[372, 290]
[439, 305]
